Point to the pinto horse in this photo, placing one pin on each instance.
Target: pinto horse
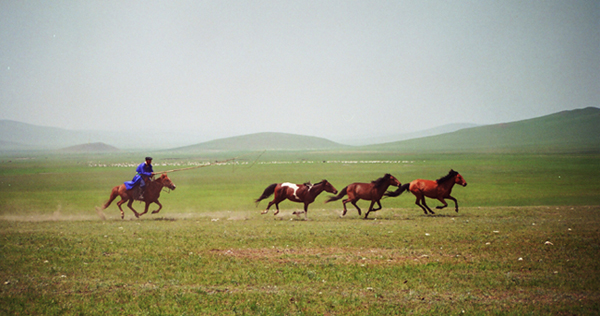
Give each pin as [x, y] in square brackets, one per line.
[301, 193]
[151, 194]
[439, 189]
[367, 191]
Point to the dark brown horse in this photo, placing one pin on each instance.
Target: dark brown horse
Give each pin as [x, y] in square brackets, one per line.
[439, 189]
[367, 191]
[302, 193]
[151, 194]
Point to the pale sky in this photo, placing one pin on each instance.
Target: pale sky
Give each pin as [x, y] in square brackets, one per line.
[332, 69]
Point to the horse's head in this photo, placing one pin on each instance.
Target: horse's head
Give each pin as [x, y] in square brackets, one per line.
[458, 179]
[395, 182]
[387, 179]
[328, 187]
[166, 182]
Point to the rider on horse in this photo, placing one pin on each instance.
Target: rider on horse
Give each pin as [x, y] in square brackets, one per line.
[143, 173]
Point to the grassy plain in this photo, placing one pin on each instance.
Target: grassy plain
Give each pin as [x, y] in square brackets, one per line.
[525, 241]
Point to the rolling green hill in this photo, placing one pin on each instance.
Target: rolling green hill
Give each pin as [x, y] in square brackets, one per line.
[264, 141]
[567, 131]
[90, 148]
[564, 132]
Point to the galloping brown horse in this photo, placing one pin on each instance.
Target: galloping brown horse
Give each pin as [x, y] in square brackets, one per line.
[367, 191]
[439, 189]
[302, 193]
[151, 194]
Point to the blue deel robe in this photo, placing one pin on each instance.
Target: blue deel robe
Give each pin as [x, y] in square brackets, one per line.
[142, 170]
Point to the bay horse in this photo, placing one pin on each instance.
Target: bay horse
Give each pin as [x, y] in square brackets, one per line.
[367, 191]
[302, 193]
[439, 189]
[151, 194]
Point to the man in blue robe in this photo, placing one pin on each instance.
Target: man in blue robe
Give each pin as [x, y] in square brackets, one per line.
[143, 173]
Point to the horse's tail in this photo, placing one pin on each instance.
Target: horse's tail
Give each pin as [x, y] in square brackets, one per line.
[401, 189]
[268, 191]
[113, 195]
[339, 196]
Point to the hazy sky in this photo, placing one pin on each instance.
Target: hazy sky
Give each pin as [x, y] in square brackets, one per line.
[321, 68]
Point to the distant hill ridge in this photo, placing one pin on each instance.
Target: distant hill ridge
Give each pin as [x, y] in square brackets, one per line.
[566, 131]
[90, 148]
[265, 141]
[444, 129]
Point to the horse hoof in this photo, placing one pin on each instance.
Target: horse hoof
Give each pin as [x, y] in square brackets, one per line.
[264, 212]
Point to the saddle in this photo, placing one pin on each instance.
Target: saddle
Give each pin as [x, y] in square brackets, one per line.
[137, 190]
[308, 185]
[137, 193]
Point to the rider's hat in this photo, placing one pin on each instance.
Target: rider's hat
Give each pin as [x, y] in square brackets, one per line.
[148, 158]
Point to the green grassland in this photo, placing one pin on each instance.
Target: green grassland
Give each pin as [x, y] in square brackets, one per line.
[525, 240]
[75, 185]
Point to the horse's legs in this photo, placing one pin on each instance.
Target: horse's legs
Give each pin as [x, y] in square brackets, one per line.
[120, 209]
[275, 201]
[378, 204]
[305, 210]
[370, 209]
[455, 203]
[130, 205]
[424, 208]
[159, 207]
[425, 204]
[145, 208]
[268, 206]
[345, 210]
[358, 208]
[441, 199]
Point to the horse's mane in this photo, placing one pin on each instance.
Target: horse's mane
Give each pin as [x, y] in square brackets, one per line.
[310, 185]
[447, 177]
[377, 183]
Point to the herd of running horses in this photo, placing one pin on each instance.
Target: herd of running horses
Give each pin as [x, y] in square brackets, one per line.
[306, 193]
